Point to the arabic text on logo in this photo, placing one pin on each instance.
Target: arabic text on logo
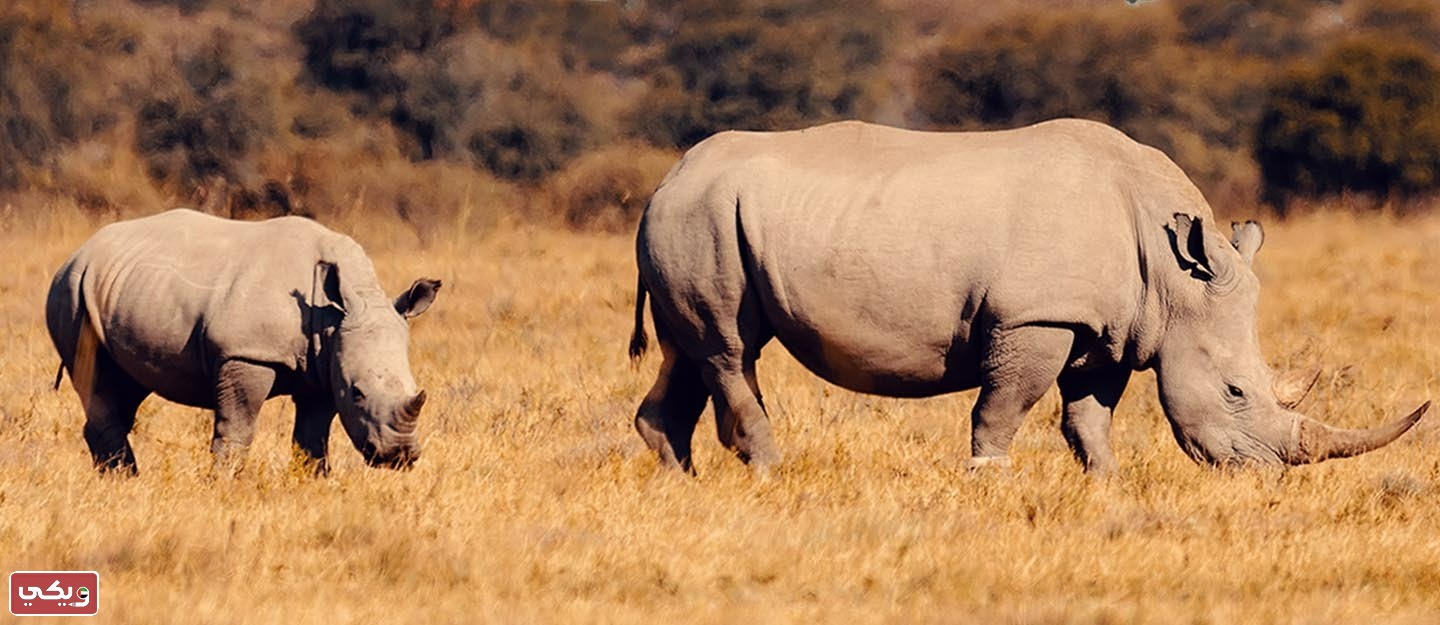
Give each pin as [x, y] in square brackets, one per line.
[54, 593]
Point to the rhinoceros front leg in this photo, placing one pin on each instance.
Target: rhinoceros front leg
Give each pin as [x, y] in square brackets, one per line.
[313, 418]
[240, 388]
[1019, 365]
[1090, 398]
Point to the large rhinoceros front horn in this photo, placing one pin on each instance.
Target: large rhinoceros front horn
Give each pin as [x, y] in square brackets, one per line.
[1316, 441]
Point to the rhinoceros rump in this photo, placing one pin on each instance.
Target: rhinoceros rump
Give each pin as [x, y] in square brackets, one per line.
[223, 314]
[912, 264]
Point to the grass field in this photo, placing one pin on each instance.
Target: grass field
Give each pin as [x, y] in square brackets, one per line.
[536, 502]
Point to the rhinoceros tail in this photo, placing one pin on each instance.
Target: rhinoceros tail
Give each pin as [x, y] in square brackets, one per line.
[638, 341]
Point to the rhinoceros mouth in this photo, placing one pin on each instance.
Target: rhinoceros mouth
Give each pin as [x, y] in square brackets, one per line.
[400, 459]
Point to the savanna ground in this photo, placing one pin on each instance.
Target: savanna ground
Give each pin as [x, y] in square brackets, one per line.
[536, 502]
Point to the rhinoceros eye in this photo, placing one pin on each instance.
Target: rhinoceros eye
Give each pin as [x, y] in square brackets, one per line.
[1235, 391]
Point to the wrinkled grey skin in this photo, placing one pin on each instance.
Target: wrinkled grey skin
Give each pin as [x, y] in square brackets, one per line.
[222, 314]
[913, 264]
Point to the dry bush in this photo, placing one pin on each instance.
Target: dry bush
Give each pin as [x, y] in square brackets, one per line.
[1190, 78]
[129, 104]
[583, 35]
[1417, 21]
[1160, 76]
[1271, 29]
[48, 95]
[1366, 119]
[457, 93]
[762, 65]
[607, 189]
[191, 93]
[500, 108]
[1100, 65]
[106, 179]
[218, 97]
[352, 176]
[352, 45]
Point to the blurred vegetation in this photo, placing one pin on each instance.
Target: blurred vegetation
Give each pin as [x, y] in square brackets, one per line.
[573, 109]
[1365, 119]
[1194, 81]
[760, 64]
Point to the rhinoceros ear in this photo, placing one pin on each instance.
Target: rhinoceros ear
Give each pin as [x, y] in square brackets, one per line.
[1247, 239]
[325, 287]
[417, 298]
[1188, 239]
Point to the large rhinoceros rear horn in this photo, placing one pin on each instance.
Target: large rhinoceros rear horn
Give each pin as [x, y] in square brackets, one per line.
[1316, 441]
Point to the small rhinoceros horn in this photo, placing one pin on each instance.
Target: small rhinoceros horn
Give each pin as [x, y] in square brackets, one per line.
[1293, 387]
[412, 407]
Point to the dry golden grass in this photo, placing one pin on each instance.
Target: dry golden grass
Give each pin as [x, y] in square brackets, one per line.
[536, 502]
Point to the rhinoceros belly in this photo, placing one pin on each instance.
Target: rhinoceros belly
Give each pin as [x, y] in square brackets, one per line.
[883, 313]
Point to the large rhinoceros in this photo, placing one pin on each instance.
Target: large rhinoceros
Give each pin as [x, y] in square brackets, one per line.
[911, 264]
[223, 314]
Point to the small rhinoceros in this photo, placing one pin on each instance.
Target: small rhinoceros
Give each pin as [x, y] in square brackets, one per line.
[223, 314]
[912, 264]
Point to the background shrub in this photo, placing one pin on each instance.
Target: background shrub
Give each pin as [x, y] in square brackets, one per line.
[46, 59]
[228, 104]
[607, 189]
[762, 66]
[1366, 119]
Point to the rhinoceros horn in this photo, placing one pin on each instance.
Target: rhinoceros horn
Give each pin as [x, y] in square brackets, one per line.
[412, 407]
[1315, 441]
[1293, 387]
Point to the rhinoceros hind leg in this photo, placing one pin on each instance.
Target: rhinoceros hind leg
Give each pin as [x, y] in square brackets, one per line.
[1090, 398]
[1019, 365]
[741, 421]
[666, 418]
[240, 388]
[110, 397]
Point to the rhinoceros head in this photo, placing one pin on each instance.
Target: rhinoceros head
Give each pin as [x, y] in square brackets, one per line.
[369, 365]
[1224, 404]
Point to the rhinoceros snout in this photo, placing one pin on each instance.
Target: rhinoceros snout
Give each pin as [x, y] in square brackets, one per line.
[399, 458]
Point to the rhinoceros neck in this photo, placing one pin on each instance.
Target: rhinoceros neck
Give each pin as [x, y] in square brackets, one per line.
[1170, 293]
[359, 284]
[363, 300]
